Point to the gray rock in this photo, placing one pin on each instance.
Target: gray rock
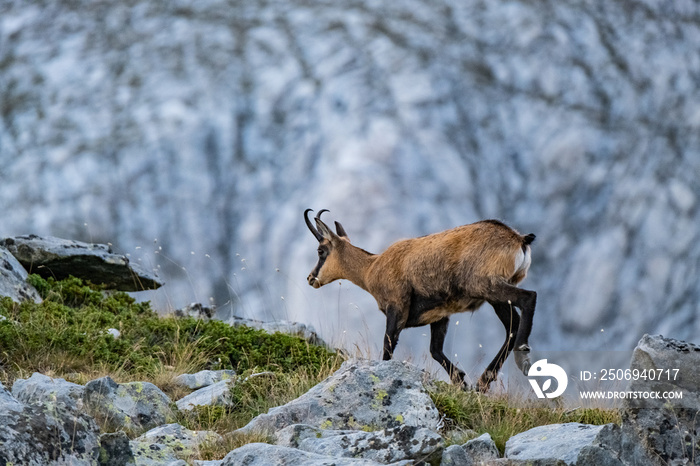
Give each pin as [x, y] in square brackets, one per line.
[304, 331]
[666, 429]
[183, 442]
[8, 401]
[361, 395]
[197, 311]
[13, 279]
[454, 455]
[218, 394]
[570, 444]
[263, 454]
[115, 450]
[460, 436]
[155, 454]
[38, 435]
[481, 450]
[42, 389]
[384, 446]
[679, 358]
[134, 407]
[59, 258]
[512, 462]
[204, 378]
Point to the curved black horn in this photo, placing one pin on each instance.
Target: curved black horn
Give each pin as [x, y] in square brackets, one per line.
[318, 215]
[311, 227]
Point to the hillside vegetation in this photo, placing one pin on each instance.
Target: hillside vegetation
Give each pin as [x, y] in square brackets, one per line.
[66, 336]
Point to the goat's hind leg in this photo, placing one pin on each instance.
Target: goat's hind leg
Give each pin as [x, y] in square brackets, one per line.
[438, 331]
[525, 300]
[511, 321]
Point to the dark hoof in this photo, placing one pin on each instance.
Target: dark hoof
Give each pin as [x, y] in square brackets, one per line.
[522, 359]
[468, 388]
[458, 378]
[485, 381]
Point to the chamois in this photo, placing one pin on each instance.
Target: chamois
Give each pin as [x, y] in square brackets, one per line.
[424, 280]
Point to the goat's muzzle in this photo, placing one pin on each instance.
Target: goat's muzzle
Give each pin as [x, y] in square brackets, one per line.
[314, 281]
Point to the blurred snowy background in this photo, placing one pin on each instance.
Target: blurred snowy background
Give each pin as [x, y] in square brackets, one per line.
[192, 135]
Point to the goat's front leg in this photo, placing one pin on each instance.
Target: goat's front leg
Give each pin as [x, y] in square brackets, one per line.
[438, 330]
[394, 324]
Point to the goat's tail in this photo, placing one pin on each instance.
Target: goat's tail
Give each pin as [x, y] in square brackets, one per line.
[527, 239]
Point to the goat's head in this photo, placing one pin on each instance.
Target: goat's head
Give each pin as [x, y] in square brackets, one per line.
[330, 246]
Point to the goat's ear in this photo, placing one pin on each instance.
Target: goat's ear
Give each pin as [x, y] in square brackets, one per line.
[341, 231]
[324, 230]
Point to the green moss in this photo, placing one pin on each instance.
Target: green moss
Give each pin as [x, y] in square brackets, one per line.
[380, 398]
[67, 332]
[103, 456]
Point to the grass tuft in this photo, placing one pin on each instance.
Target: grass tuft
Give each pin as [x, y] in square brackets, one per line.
[503, 417]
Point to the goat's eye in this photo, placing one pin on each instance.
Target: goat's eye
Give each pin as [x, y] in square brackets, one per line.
[321, 252]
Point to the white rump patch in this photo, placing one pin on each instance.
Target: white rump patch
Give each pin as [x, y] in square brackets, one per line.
[522, 261]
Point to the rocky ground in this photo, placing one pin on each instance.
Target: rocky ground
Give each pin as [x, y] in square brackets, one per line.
[367, 413]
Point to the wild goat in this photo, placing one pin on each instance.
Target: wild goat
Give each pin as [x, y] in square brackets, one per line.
[424, 280]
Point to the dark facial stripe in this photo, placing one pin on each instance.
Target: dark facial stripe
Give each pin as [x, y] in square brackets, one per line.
[319, 265]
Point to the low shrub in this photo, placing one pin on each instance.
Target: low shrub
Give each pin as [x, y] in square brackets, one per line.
[67, 332]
